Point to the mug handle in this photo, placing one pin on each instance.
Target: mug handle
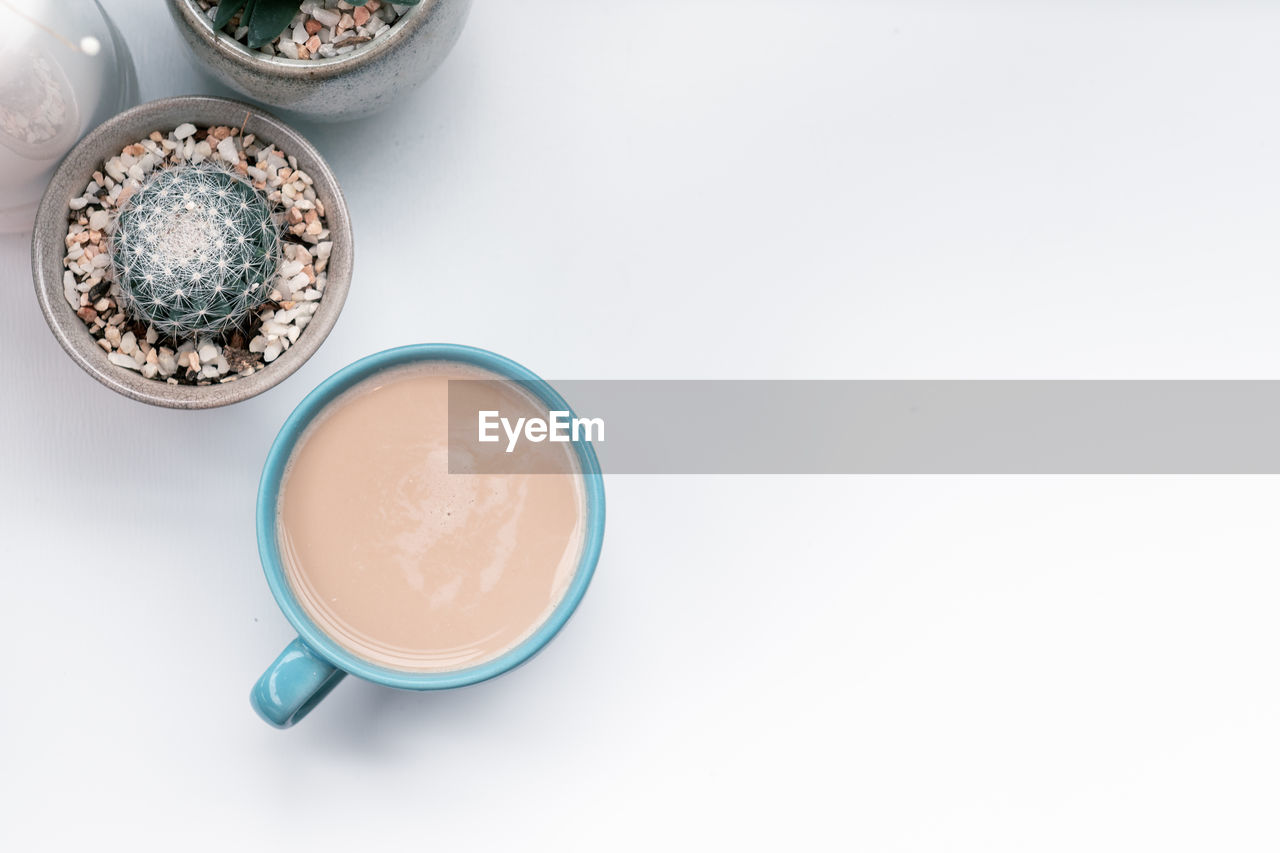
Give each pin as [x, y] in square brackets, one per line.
[294, 684]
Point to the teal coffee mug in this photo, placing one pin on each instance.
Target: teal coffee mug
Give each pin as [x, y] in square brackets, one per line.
[313, 664]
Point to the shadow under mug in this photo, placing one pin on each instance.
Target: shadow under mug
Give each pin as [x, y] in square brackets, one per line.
[313, 664]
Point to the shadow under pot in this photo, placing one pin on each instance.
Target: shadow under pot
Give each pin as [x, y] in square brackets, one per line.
[192, 252]
[324, 63]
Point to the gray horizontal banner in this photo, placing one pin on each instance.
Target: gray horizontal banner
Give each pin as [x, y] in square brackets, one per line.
[878, 427]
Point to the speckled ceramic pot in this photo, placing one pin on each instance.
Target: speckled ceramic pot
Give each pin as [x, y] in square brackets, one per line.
[48, 246]
[335, 89]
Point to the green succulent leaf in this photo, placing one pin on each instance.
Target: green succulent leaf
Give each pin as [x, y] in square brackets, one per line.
[268, 19]
[226, 11]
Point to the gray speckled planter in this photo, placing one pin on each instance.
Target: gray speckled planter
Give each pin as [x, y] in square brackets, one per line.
[342, 87]
[48, 245]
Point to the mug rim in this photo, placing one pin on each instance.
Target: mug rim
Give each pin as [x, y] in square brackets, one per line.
[269, 490]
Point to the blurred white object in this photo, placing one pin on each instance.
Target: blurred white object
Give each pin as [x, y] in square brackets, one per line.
[64, 69]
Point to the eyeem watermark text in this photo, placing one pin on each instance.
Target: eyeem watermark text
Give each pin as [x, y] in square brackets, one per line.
[559, 426]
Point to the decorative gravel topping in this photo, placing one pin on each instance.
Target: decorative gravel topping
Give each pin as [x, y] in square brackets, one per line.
[322, 28]
[89, 282]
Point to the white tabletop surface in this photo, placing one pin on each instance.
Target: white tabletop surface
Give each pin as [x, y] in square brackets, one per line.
[739, 189]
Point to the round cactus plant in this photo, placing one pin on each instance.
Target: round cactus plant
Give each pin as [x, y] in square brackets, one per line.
[194, 251]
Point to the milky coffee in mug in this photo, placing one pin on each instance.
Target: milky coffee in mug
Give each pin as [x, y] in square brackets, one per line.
[406, 565]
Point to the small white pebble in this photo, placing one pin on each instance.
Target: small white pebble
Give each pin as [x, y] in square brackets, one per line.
[122, 360]
[227, 150]
[328, 17]
[184, 130]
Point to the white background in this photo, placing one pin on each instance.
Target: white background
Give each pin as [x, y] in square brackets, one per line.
[739, 189]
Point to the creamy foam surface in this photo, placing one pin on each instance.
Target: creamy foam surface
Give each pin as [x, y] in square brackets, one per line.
[407, 565]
